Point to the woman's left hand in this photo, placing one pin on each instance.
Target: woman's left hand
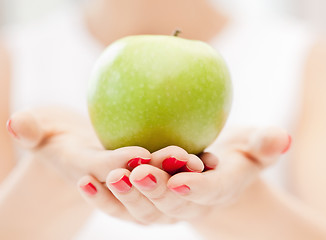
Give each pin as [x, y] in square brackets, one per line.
[148, 194]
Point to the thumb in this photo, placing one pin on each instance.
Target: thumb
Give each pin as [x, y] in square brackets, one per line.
[26, 129]
[266, 145]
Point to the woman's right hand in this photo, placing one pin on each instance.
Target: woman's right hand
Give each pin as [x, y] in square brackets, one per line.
[66, 140]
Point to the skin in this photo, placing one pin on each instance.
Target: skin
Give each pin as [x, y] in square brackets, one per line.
[159, 203]
[6, 149]
[308, 159]
[241, 157]
[145, 17]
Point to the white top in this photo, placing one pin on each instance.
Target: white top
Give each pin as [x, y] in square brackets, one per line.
[52, 61]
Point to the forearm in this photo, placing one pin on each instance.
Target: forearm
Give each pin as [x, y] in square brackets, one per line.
[263, 213]
[7, 161]
[307, 171]
[35, 203]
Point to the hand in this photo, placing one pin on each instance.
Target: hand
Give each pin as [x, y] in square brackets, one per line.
[148, 194]
[66, 140]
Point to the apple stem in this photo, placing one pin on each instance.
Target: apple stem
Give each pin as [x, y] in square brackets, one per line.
[176, 33]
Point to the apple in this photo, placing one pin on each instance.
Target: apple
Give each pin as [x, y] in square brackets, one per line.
[154, 91]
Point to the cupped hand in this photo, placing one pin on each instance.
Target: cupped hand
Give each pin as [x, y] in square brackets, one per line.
[64, 139]
[147, 194]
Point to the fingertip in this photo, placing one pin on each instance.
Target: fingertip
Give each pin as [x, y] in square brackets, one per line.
[181, 189]
[25, 128]
[272, 141]
[148, 178]
[194, 164]
[87, 186]
[170, 159]
[10, 129]
[136, 161]
[134, 150]
[209, 160]
[133, 155]
[288, 146]
[190, 179]
[119, 180]
[140, 172]
[115, 174]
[170, 151]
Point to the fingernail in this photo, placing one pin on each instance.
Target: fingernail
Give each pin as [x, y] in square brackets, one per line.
[132, 163]
[185, 168]
[147, 183]
[10, 130]
[171, 165]
[207, 168]
[183, 189]
[287, 146]
[122, 185]
[89, 189]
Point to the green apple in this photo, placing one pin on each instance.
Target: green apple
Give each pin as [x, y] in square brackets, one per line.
[155, 91]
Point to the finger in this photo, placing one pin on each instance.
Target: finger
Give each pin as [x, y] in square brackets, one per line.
[193, 163]
[173, 158]
[232, 136]
[218, 186]
[240, 164]
[266, 145]
[200, 188]
[209, 160]
[136, 203]
[100, 197]
[104, 161]
[151, 182]
[25, 129]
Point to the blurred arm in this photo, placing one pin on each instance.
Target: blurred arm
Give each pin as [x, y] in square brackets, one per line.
[263, 213]
[36, 203]
[309, 159]
[7, 161]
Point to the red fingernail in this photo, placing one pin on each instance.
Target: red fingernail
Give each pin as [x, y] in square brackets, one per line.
[132, 163]
[183, 189]
[288, 146]
[185, 168]
[122, 185]
[207, 168]
[10, 130]
[148, 182]
[171, 165]
[89, 189]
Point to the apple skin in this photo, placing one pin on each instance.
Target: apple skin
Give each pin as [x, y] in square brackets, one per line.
[155, 91]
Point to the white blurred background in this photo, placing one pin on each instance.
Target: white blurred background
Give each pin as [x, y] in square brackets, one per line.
[313, 11]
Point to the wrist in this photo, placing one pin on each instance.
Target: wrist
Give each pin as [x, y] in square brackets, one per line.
[261, 212]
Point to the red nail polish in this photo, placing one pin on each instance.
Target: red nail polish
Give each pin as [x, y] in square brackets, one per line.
[89, 189]
[207, 168]
[183, 189]
[185, 168]
[122, 185]
[10, 130]
[148, 182]
[288, 146]
[171, 165]
[132, 163]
